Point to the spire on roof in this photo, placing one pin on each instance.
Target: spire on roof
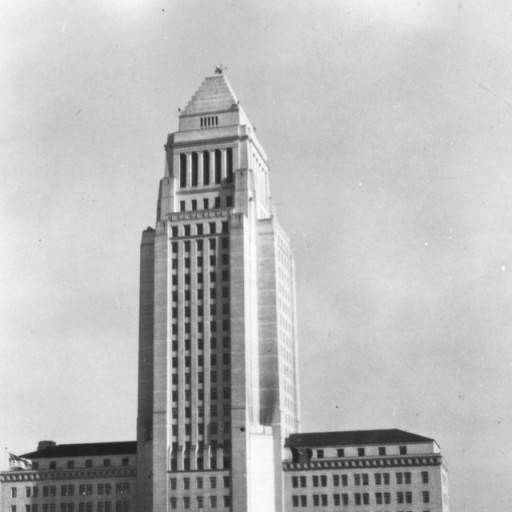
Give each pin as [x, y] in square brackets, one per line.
[214, 95]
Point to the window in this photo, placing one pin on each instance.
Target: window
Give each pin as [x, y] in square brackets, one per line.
[226, 482]
[336, 499]
[336, 480]
[399, 497]
[315, 480]
[213, 501]
[186, 502]
[206, 171]
[344, 499]
[194, 170]
[182, 206]
[183, 170]
[53, 464]
[378, 478]
[295, 501]
[218, 164]
[323, 497]
[426, 496]
[407, 477]
[199, 502]
[344, 480]
[408, 497]
[365, 478]
[424, 477]
[382, 450]
[125, 461]
[106, 463]
[122, 488]
[320, 454]
[357, 479]
[199, 482]
[227, 501]
[13, 508]
[70, 464]
[173, 502]
[295, 481]
[340, 452]
[186, 483]
[303, 501]
[216, 202]
[229, 165]
[205, 202]
[357, 498]
[366, 498]
[316, 500]
[378, 498]
[403, 450]
[386, 478]
[360, 452]
[213, 482]
[14, 492]
[399, 479]
[303, 481]
[387, 498]
[229, 201]
[323, 480]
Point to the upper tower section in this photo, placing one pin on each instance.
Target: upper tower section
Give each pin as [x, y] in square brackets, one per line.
[214, 159]
[213, 105]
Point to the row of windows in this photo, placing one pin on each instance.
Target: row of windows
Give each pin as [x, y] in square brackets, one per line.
[101, 506]
[200, 326]
[200, 482]
[226, 461]
[193, 179]
[121, 489]
[213, 202]
[209, 121]
[212, 242]
[223, 292]
[358, 499]
[88, 463]
[358, 479]
[224, 260]
[361, 452]
[198, 229]
[200, 502]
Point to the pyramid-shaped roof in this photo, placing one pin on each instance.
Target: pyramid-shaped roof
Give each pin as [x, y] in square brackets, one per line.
[214, 95]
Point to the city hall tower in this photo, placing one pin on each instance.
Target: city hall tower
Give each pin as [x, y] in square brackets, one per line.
[218, 384]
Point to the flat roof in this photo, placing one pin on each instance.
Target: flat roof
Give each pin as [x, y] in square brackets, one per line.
[84, 450]
[354, 437]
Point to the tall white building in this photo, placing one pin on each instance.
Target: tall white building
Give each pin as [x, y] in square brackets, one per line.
[218, 406]
[218, 390]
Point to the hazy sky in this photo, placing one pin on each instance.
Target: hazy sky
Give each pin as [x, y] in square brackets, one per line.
[388, 126]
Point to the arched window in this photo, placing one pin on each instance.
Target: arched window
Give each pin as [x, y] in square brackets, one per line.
[194, 169]
[206, 168]
[229, 165]
[218, 165]
[183, 170]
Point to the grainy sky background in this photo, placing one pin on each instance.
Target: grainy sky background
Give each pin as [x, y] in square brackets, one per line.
[388, 125]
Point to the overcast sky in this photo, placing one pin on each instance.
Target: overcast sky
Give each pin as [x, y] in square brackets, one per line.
[388, 127]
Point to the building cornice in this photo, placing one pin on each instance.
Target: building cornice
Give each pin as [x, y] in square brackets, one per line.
[66, 474]
[370, 462]
[199, 214]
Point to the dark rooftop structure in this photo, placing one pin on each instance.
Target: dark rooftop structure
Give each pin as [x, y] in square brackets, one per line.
[48, 449]
[354, 437]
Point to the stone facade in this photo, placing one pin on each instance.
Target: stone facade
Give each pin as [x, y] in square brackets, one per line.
[218, 395]
[218, 387]
[96, 477]
[365, 471]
